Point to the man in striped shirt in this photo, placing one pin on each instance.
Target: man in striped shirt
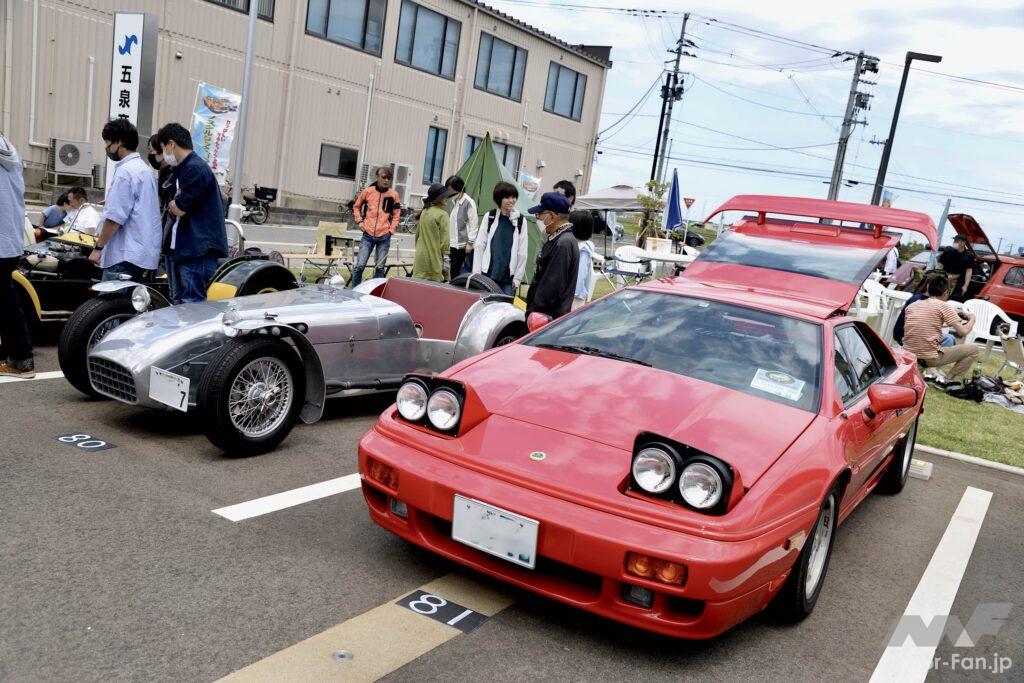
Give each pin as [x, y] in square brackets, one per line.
[923, 333]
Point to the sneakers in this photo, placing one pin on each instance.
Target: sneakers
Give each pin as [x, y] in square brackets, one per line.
[23, 369]
[946, 384]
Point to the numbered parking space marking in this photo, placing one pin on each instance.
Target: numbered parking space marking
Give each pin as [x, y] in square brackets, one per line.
[39, 375]
[287, 499]
[84, 441]
[377, 642]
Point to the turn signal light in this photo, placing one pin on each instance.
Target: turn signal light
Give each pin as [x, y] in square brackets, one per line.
[382, 474]
[654, 569]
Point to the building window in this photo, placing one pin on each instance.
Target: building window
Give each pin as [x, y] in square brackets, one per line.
[356, 23]
[508, 155]
[338, 162]
[564, 95]
[265, 10]
[500, 67]
[427, 40]
[437, 140]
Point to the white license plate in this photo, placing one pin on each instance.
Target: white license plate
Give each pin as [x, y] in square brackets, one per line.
[499, 532]
[168, 388]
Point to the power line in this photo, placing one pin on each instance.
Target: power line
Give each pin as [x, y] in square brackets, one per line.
[762, 104]
[639, 103]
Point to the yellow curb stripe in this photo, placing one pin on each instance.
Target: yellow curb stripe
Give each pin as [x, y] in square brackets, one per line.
[380, 640]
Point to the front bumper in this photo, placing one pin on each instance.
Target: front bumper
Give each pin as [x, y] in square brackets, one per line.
[581, 550]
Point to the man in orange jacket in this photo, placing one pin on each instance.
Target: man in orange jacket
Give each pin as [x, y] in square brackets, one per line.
[376, 212]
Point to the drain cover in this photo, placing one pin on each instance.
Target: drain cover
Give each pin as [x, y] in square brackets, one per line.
[342, 656]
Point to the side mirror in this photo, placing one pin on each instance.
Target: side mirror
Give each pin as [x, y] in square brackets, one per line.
[883, 397]
[535, 321]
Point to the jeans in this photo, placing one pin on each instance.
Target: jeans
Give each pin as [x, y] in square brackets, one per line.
[15, 342]
[115, 271]
[189, 278]
[947, 340]
[370, 243]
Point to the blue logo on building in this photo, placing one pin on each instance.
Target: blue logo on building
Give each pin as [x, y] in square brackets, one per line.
[126, 49]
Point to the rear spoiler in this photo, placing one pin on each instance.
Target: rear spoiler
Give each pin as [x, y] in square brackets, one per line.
[877, 217]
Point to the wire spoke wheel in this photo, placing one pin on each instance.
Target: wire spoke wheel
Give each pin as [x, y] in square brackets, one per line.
[260, 397]
[104, 328]
[820, 545]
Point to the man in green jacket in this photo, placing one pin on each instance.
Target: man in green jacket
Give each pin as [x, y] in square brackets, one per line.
[432, 235]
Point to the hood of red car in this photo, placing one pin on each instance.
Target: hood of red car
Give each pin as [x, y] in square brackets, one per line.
[968, 226]
[610, 402]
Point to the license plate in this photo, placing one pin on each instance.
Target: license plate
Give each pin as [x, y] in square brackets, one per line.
[169, 389]
[499, 532]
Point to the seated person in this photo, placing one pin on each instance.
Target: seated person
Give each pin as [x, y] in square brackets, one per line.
[50, 219]
[82, 216]
[923, 333]
[922, 293]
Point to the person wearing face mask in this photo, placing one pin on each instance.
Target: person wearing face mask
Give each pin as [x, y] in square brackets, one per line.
[164, 173]
[129, 239]
[501, 242]
[198, 237]
[82, 217]
[554, 280]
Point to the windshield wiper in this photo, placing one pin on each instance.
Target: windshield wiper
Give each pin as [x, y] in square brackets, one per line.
[592, 351]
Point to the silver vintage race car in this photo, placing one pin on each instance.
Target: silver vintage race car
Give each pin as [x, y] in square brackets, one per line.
[252, 366]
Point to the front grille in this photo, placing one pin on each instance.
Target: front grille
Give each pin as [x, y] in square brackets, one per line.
[112, 380]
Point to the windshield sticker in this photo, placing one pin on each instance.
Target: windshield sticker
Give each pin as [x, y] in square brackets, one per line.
[778, 383]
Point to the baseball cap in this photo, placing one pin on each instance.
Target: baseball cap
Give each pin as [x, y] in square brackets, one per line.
[551, 201]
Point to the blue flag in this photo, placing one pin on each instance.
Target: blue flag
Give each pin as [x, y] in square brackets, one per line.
[673, 216]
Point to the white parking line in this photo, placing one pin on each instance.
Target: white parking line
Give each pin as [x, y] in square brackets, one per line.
[287, 499]
[39, 375]
[933, 598]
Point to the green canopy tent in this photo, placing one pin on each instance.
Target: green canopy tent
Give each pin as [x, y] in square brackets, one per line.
[482, 171]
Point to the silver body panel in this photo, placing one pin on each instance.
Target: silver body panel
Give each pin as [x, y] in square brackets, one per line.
[359, 339]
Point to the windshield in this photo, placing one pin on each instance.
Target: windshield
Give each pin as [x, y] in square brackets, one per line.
[756, 352]
[841, 263]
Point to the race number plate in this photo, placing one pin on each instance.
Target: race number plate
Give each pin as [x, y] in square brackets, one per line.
[168, 388]
[499, 532]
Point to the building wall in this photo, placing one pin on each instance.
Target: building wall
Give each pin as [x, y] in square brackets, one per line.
[306, 89]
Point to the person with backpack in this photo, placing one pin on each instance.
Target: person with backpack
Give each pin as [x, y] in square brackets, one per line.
[501, 243]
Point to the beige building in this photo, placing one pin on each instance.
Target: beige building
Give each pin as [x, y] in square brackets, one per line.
[338, 85]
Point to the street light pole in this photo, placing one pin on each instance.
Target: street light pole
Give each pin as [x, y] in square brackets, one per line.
[235, 210]
[883, 165]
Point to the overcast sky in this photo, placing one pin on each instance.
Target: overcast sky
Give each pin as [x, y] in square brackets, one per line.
[747, 95]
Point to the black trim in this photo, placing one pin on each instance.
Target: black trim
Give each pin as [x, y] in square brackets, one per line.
[575, 86]
[512, 77]
[339, 176]
[432, 385]
[366, 19]
[683, 456]
[444, 41]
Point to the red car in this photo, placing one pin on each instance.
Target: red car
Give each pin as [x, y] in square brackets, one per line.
[676, 455]
[997, 277]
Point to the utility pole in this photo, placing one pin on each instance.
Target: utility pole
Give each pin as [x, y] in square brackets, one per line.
[661, 125]
[856, 101]
[675, 93]
[235, 209]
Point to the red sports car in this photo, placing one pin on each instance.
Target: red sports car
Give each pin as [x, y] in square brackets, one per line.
[676, 455]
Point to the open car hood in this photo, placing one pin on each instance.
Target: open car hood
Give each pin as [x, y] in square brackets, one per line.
[976, 237]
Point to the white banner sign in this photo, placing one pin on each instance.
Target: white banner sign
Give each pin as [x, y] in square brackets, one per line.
[125, 70]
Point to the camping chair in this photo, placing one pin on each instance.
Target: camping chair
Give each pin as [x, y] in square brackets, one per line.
[628, 266]
[986, 313]
[326, 264]
[1013, 355]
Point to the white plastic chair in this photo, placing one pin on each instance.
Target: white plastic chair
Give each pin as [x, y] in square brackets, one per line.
[869, 301]
[986, 313]
[1013, 355]
[629, 263]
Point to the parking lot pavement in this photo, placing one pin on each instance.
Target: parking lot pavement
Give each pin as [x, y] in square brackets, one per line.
[116, 568]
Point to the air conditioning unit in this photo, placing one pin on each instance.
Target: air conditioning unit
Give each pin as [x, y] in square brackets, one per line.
[403, 180]
[70, 157]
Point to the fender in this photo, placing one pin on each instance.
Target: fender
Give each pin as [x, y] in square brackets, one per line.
[480, 328]
[372, 286]
[23, 282]
[111, 288]
[316, 389]
[233, 276]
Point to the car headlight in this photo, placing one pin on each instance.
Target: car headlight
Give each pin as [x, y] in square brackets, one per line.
[141, 298]
[701, 486]
[228, 322]
[443, 409]
[412, 400]
[654, 470]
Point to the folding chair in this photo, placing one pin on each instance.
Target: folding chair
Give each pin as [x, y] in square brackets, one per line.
[1013, 355]
[628, 265]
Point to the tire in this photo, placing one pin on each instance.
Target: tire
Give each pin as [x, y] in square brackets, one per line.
[260, 214]
[268, 280]
[477, 282]
[509, 334]
[797, 598]
[895, 477]
[232, 369]
[87, 325]
[694, 241]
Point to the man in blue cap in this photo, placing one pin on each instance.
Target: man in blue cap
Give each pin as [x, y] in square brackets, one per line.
[554, 280]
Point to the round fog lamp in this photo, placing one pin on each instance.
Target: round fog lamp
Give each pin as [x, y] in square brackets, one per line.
[443, 409]
[654, 470]
[412, 401]
[700, 485]
[140, 299]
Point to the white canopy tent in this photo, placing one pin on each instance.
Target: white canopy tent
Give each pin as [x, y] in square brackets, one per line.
[615, 198]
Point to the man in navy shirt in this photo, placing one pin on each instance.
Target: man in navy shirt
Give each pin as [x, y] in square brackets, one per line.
[197, 237]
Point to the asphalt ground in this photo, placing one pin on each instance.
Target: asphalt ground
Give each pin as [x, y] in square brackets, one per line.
[114, 567]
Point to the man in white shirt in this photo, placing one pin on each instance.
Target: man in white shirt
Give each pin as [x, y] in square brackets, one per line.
[462, 226]
[82, 216]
